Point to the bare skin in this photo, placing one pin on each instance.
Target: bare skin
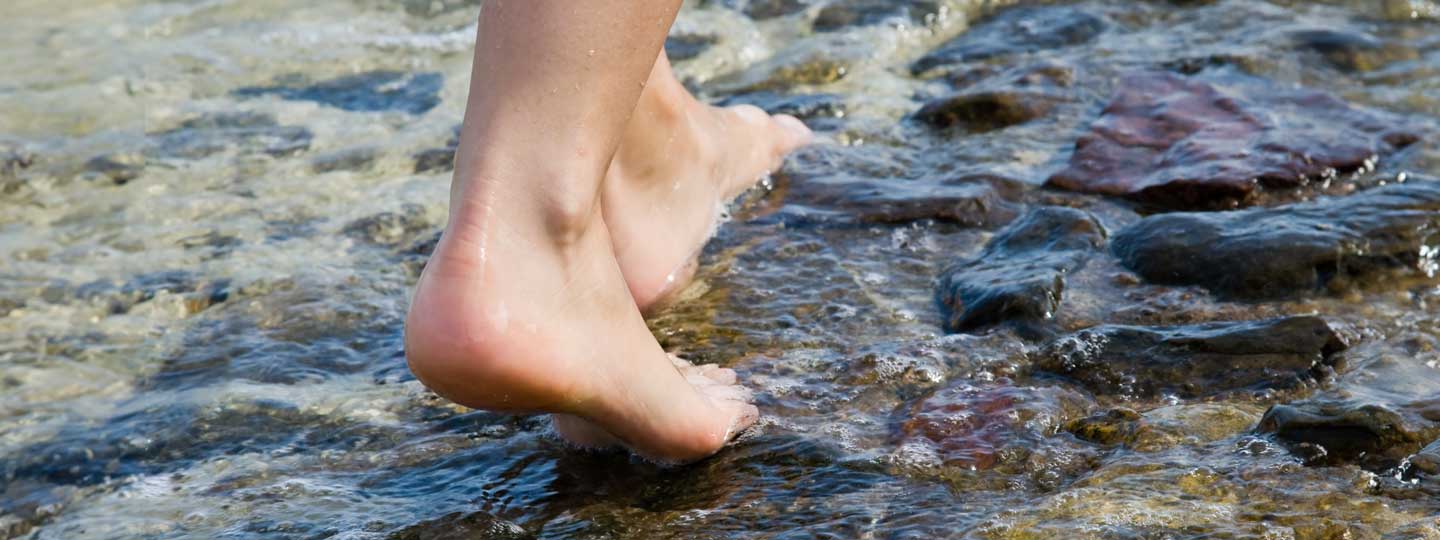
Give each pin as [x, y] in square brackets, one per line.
[526, 305]
[678, 162]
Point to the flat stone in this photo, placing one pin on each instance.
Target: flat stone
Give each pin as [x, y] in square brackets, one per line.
[977, 426]
[1427, 460]
[1331, 431]
[243, 132]
[680, 47]
[371, 91]
[349, 159]
[14, 159]
[1165, 427]
[118, 169]
[761, 10]
[1192, 361]
[799, 105]
[1290, 250]
[1015, 30]
[1020, 274]
[986, 110]
[850, 13]
[434, 160]
[1180, 142]
[1351, 51]
[460, 526]
[389, 228]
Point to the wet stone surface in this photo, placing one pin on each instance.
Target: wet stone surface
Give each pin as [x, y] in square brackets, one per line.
[373, 91]
[1188, 143]
[849, 13]
[242, 132]
[1332, 243]
[1197, 360]
[1020, 275]
[988, 426]
[1332, 431]
[212, 216]
[1016, 30]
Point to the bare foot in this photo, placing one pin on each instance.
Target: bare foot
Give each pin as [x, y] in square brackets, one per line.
[523, 308]
[679, 162]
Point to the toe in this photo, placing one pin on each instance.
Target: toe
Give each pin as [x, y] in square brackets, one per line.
[743, 415]
[719, 374]
[727, 392]
[794, 133]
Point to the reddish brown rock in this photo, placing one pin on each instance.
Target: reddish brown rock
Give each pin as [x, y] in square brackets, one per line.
[1183, 143]
[974, 426]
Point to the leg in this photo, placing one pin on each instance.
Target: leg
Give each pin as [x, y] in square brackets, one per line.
[679, 161]
[523, 306]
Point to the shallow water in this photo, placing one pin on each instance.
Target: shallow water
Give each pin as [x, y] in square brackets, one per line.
[212, 215]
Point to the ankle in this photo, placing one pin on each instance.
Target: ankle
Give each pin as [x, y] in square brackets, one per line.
[559, 206]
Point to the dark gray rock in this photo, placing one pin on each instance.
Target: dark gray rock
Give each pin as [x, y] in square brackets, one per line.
[1195, 360]
[380, 90]
[389, 228]
[1020, 274]
[14, 159]
[121, 297]
[118, 169]
[971, 201]
[1427, 460]
[434, 160]
[243, 132]
[1016, 30]
[1289, 250]
[987, 110]
[459, 526]
[1351, 51]
[1330, 431]
[680, 47]
[848, 13]
[761, 10]
[803, 106]
[349, 159]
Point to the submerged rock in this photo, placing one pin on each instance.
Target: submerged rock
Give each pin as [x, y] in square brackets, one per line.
[458, 526]
[244, 132]
[438, 159]
[1427, 461]
[349, 159]
[983, 427]
[118, 297]
[389, 228]
[1351, 51]
[681, 47]
[1020, 274]
[434, 160]
[119, 168]
[769, 9]
[1016, 30]
[1165, 427]
[847, 13]
[972, 201]
[1333, 431]
[1198, 360]
[986, 110]
[372, 91]
[14, 159]
[803, 106]
[1183, 143]
[1278, 252]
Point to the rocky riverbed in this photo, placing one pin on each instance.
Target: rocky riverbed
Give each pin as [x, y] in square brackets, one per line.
[1097, 269]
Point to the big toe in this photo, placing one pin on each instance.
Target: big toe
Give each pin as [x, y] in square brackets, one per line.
[794, 133]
